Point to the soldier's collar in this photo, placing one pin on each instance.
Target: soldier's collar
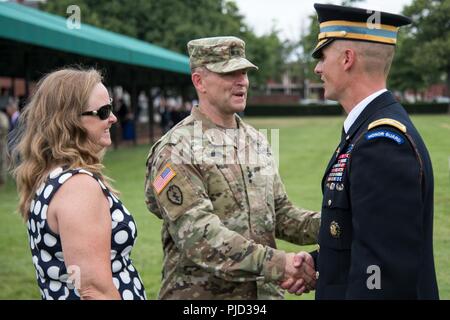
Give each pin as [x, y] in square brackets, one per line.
[380, 102]
[222, 136]
[207, 123]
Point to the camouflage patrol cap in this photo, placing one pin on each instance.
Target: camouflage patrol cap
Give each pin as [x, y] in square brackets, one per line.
[218, 54]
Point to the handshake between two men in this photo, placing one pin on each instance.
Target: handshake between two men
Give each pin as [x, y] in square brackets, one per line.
[300, 273]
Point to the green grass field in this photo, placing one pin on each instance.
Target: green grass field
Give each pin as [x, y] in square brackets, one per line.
[306, 145]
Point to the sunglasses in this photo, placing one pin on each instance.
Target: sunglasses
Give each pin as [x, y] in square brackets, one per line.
[103, 112]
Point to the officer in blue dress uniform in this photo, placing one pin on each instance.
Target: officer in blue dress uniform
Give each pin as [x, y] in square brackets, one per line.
[376, 235]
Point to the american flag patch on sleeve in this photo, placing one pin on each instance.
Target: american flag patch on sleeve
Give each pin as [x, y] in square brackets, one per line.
[163, 178]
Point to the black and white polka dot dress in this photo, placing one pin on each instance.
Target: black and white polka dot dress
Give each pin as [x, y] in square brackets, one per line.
[51, 273]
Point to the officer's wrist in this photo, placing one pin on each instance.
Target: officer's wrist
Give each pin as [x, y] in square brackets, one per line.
[274, 265]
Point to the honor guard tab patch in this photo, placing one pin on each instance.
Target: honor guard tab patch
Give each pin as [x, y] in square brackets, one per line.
[385, 134]
[163, 178]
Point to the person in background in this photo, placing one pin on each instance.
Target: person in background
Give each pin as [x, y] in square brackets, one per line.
[12, 109]
[4, 129]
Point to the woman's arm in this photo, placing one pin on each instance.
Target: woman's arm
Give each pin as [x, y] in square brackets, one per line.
[84, 224]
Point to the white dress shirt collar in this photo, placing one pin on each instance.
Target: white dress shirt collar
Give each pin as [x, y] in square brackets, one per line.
[356, 111]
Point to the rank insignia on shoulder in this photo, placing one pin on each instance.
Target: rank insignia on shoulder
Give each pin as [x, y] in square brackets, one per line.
[385, 134]
[163, 178]
[175, 195]
[388, 122]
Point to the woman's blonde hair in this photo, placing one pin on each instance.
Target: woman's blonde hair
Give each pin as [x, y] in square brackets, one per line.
[52, 134]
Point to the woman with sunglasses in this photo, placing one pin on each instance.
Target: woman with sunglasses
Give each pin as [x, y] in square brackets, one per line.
[80, 233]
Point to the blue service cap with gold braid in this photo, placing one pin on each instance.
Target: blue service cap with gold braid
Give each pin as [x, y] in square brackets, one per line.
[347, 23]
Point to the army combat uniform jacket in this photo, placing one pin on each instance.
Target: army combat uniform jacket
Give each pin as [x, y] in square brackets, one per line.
[222, 203]
[377, 213]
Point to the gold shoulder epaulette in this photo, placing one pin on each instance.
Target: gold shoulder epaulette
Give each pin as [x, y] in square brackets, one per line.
[389, 122]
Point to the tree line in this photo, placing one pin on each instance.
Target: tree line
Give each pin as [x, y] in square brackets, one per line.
[422, 56]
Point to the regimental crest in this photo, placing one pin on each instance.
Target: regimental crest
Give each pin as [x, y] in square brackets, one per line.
[175, 195]
[335, 229]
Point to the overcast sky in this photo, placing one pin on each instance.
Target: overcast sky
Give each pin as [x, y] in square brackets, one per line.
[290, 16]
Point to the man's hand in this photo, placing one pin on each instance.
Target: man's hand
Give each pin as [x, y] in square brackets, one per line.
[300, 274]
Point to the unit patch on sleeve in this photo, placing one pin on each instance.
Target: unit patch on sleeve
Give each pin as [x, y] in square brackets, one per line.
[175, 195]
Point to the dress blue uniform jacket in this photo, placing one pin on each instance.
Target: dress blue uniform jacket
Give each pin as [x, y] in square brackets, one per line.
[376, 234]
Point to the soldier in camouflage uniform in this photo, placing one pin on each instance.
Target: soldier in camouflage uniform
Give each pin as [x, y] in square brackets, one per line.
[214, 182]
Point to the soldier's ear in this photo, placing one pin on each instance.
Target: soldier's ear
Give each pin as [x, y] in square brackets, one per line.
[348, 58]
[198, 81]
